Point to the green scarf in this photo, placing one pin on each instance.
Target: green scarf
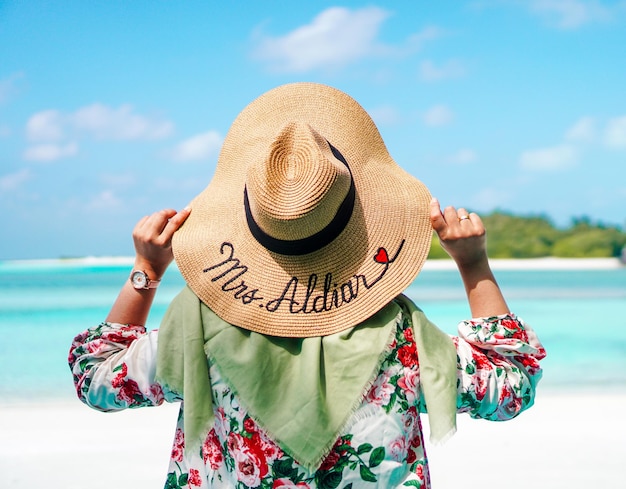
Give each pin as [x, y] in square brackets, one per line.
[301, 391]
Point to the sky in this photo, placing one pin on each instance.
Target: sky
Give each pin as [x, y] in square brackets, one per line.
[111, 110]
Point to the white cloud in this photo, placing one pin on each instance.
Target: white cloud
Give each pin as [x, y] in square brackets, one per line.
[439, 115]
[429, 72]
[418, 39]
[108, 123]
[549, 159]
[335, 37]
[615, 135]
[198, 147]
[463, 156]
[47, 125]
[50, 152]
[105, 200]
[565, 14]
[14, 180]
[570, 14]
[98, 121]
[583, 131]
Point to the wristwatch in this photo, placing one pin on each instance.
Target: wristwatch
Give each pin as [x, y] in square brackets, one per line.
[140, 280]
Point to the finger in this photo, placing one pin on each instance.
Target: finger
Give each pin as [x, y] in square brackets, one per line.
[463, 215]
[475, 218]
[451, 215]
[149, 228]
[139, 229]
[175, 222]
[141, 223]
[436, 217]
[477, 222]
[156, 222]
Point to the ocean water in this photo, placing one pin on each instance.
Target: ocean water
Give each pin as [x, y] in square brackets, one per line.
[580, 316]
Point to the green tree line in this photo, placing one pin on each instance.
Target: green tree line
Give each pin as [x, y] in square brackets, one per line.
[511, 236]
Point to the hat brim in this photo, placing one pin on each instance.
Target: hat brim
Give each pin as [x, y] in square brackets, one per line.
[377, 255]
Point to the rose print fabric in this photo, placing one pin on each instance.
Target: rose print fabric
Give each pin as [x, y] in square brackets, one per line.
[382, 444]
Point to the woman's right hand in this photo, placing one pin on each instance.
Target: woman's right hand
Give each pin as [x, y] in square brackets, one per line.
[463, 236]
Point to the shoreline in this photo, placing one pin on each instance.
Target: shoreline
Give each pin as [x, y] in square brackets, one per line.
[544, 263]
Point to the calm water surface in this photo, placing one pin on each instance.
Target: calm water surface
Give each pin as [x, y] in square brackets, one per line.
[580, 316]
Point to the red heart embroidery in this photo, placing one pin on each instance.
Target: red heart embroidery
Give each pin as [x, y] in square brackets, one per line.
[381, 256]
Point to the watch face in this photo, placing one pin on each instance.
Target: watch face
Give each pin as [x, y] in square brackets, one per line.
[139, 279]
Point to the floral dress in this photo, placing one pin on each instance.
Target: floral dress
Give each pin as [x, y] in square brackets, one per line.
[382, 444]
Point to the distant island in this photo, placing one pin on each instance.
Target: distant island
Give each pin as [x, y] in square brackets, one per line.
[512, 236]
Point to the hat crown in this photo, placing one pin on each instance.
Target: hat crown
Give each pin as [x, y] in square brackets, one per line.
[308, 226]
[296, 190]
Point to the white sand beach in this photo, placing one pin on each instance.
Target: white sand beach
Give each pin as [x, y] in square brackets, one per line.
[547, 263]
[566, 441]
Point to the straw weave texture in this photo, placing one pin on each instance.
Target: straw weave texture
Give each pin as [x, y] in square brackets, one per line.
[277, 148]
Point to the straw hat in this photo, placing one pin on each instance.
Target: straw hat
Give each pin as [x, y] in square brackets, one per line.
[308, 226]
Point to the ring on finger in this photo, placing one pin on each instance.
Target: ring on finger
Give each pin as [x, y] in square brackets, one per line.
[463, 217]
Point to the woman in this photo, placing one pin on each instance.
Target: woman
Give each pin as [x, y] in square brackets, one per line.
[298, 360]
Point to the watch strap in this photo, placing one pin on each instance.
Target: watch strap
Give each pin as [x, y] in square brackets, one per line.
[152, 284]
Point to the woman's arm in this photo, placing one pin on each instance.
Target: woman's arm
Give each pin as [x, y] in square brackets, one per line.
[498, 366]
[114, 364]
[153, 254]
[498, 354]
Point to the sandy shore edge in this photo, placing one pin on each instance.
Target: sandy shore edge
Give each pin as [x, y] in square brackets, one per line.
[567, 440]
[548, 263]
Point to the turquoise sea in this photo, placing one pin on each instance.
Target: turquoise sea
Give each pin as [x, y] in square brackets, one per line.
[580, 316]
